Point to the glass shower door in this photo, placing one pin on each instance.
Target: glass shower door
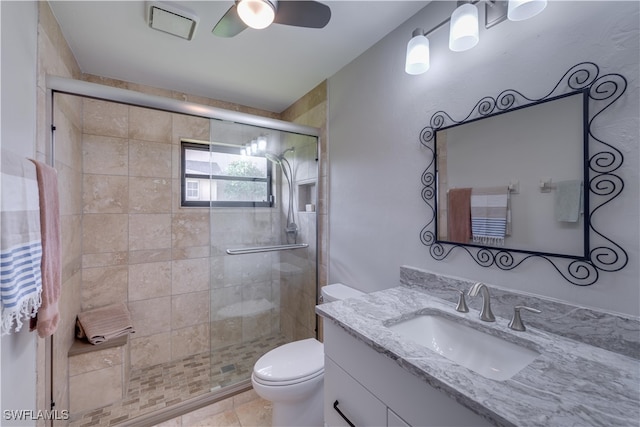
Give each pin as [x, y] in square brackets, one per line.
[263, 245]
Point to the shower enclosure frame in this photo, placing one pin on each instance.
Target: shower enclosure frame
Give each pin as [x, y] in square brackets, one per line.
[62, 85]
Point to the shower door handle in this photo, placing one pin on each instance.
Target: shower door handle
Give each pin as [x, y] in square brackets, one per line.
[259, 249]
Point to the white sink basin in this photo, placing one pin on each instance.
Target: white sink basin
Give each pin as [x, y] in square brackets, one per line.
[485, 354]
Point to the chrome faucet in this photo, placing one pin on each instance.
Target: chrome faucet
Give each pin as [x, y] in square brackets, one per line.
[486, 314]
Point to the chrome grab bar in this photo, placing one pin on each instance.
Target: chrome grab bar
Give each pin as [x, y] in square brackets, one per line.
[259, 249]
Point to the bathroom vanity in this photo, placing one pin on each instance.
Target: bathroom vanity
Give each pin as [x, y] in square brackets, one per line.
[381, 377]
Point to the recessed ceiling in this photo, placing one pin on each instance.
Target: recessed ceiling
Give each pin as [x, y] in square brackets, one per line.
[267, 69]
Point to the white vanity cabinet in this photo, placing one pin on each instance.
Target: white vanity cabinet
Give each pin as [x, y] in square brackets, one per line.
[373, 390]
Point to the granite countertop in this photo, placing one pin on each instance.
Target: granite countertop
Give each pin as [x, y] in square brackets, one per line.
[569, 384]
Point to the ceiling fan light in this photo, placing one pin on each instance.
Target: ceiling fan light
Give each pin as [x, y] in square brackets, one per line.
[463, 33]
[256, 14]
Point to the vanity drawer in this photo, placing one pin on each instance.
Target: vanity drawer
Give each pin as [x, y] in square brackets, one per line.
[354, 401]
[393, 420]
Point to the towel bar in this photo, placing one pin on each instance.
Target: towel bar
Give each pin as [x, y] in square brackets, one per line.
[259, 249]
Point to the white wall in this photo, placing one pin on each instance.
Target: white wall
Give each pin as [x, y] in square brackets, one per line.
[376, 113]
[18, 135]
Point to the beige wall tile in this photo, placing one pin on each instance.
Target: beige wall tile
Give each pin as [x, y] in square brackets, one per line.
[191, 252]
[71, 243]
[105, 118]
[151, 350]
[190, 229]
[103, 286]
[150, 255]
[104, 233]
[149, 280]
[257, 325]
[149, 125]
[68, 139]
[226, 332]
[149, 231]
[95, 389]
[69, 189]
[149, 195]
[189, 309]
[151, 159]
[189, 127]
[189, 275]
[151, 316]
[105, 259]
[105, 194]
[105, 155]
[87, 362]
[190, 341]
[222, 298]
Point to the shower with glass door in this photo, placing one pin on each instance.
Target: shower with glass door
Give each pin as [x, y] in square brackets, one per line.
[263, 245]
[201, 227]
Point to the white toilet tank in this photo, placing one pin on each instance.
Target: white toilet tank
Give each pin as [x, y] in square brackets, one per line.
[338, 291]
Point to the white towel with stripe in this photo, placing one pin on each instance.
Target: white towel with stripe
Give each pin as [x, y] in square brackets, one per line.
[489, 214]
[20, 243]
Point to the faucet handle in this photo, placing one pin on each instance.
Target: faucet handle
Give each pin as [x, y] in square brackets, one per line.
[462, 303]
[516, 323]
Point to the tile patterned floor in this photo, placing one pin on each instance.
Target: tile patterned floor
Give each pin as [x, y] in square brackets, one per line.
[243, 410]
[157, 387]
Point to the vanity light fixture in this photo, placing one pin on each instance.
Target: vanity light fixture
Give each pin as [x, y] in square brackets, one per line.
[463, 28]
[463, 33]
[417, 61]
[519, 10]
[262, 143]
[258, 14]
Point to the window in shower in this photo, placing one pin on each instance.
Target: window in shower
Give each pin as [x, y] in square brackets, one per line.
[220, 176]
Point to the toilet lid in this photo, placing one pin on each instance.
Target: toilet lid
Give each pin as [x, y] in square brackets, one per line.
[295, 360]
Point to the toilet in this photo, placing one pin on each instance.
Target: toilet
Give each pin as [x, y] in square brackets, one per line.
[291, 376]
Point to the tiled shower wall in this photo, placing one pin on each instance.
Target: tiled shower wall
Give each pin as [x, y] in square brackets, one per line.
[55, 57]
[139, 246]
[299, 267]
[311, 110]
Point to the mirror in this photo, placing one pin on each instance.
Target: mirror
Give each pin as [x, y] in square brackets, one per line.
[534, 159]
[531, 173]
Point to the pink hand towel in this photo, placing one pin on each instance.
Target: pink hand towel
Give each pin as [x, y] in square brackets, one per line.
[47, 318]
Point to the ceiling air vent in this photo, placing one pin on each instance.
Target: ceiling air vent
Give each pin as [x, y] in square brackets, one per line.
[172, 19]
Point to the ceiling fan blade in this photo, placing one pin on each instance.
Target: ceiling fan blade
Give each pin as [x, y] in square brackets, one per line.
[230, 24]
[310, 14]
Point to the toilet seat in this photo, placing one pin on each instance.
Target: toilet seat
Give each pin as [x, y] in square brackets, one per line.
[291, 363]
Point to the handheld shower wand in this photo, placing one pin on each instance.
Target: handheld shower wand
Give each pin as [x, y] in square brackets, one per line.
[291, 229]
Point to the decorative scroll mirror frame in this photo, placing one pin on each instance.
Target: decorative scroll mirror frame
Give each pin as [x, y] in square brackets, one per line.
[604, 185]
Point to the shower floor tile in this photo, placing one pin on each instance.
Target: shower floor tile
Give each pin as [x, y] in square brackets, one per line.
[157, 387]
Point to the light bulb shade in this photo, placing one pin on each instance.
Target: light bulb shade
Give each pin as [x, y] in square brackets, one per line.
[519, 10]
[417, 61]
[463, 33]
[256, 14]
[262, 143]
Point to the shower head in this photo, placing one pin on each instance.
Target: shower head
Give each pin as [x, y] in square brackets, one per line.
[277, 158]
[273, 158]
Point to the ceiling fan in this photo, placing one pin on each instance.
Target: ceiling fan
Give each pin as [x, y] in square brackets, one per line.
[260, 14]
